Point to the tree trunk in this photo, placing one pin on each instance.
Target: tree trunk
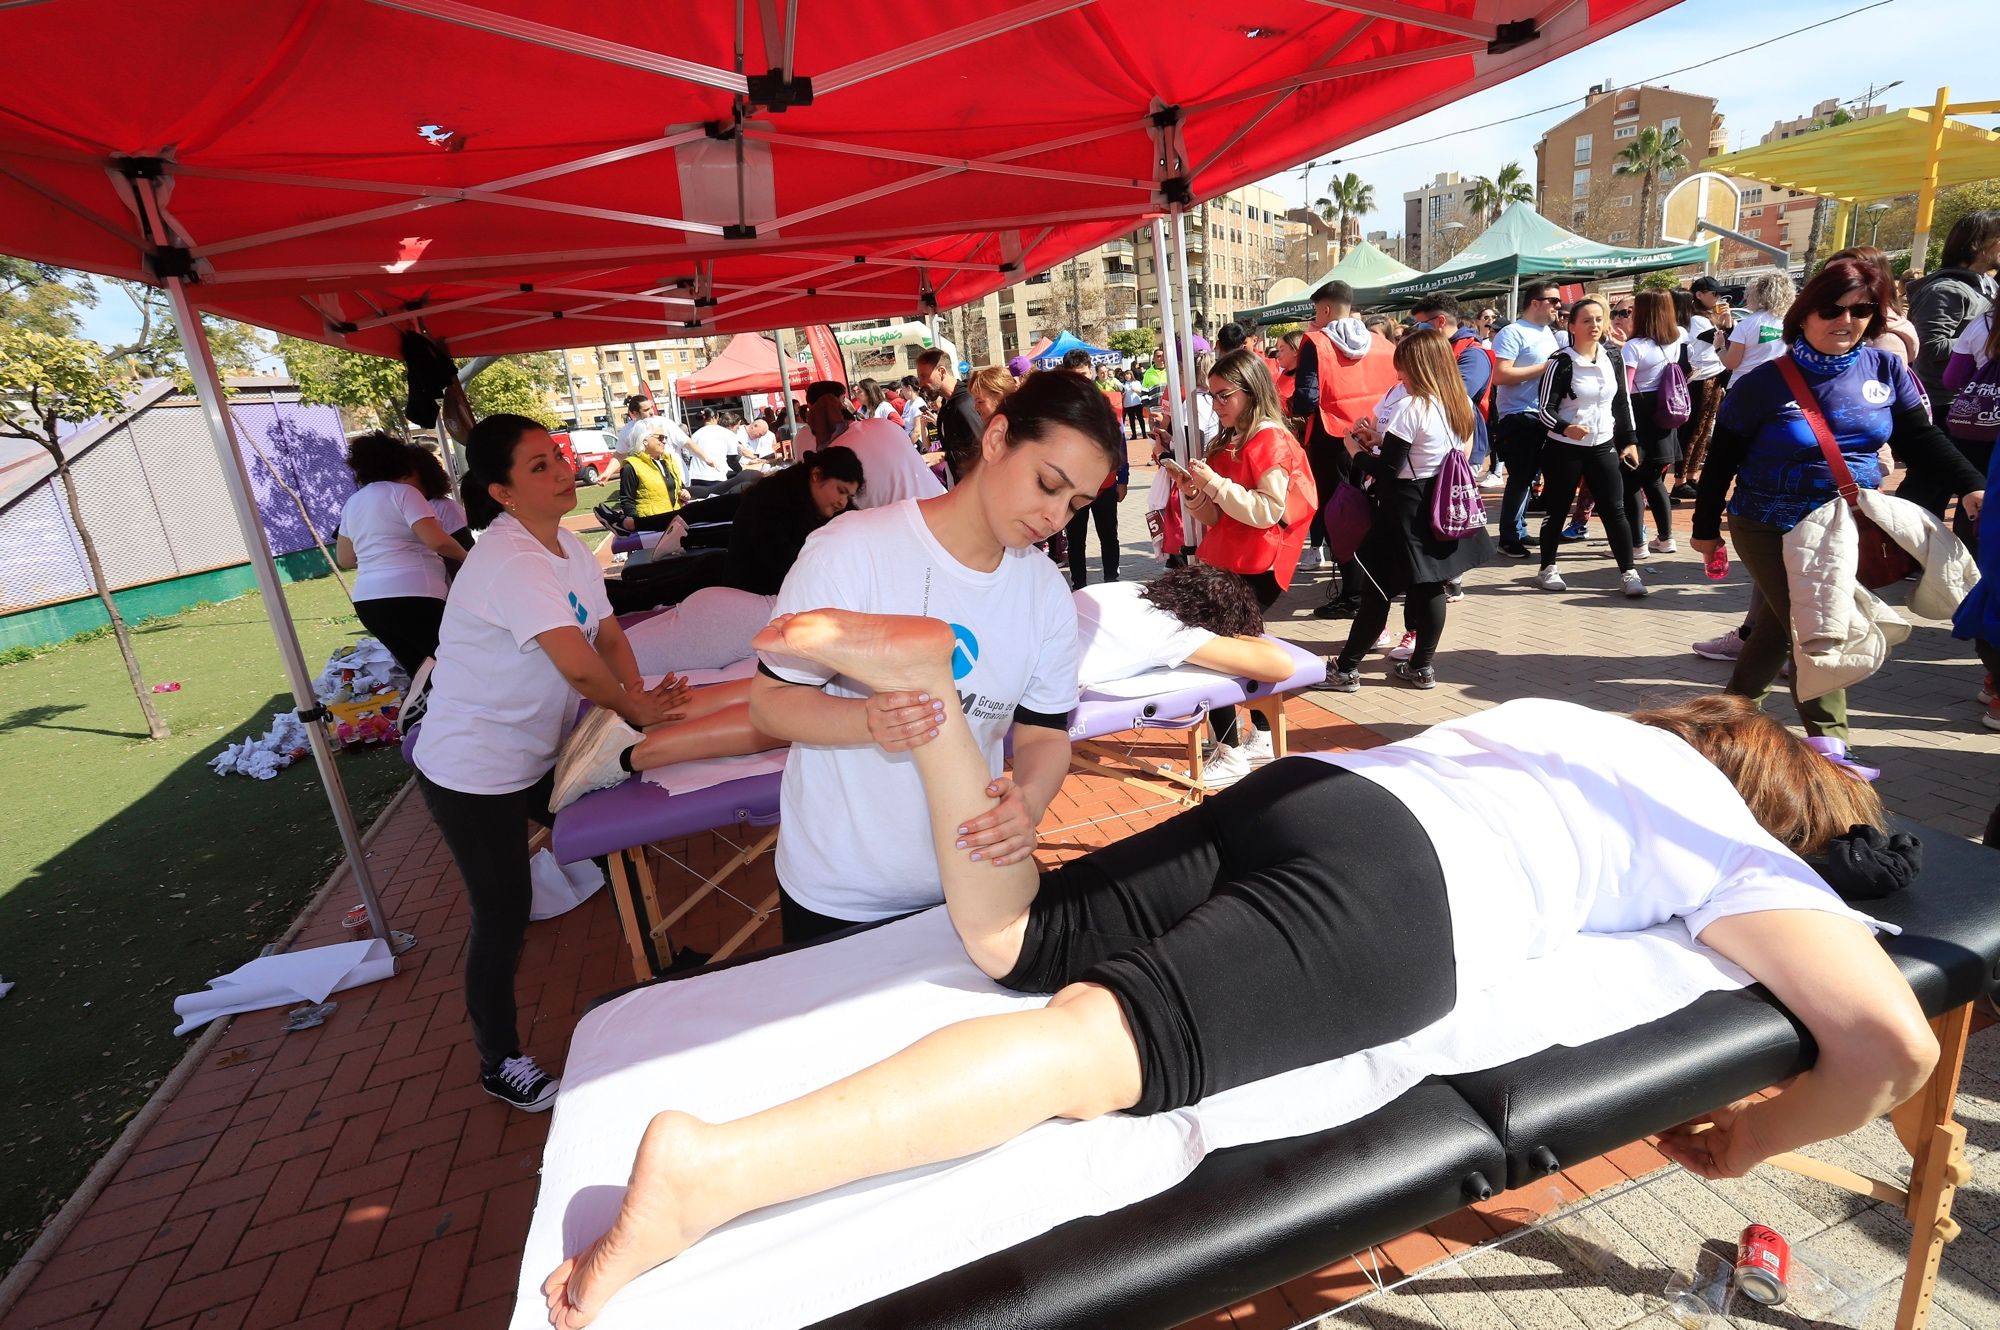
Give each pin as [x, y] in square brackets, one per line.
[155, 727]
[1815, 235]
[1646, 210]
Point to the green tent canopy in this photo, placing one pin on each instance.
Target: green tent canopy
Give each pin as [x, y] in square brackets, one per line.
[1523, 243]
[1364, 266]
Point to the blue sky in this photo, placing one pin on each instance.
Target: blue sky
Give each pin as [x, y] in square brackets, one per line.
[1925, 43]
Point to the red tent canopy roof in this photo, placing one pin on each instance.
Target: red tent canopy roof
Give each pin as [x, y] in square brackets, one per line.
[524, 174]
[748, 364]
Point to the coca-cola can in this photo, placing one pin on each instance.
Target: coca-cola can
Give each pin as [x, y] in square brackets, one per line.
[1763, 1265]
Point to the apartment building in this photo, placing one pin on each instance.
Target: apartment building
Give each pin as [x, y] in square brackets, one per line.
[1577, 184]
[1433, 221]
[602, 377]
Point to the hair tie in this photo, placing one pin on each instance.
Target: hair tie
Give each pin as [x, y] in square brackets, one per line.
[1835, 751]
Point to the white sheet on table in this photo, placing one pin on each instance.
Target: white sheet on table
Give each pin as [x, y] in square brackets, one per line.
[286, 978]
[688, 777]
[742, 669]
[727, 1044]
[1154, 683]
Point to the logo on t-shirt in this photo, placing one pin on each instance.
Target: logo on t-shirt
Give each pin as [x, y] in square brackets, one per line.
[964, 651]
[1876, 393]
[582, 614]
[1770, 332]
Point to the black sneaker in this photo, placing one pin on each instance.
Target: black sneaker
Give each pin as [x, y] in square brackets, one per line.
[1684, 491]
[1416, 678]
[1342, 681]
[523, 1084]
[1513, 549]
[1337, 609]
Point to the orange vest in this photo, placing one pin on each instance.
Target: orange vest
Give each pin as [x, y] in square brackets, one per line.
[1349, 387]
[1238, 548]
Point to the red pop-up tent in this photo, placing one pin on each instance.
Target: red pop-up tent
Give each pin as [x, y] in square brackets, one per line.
[748, 364]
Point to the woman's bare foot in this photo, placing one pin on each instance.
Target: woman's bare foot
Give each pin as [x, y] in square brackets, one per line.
[887, 652]
[655, 1224]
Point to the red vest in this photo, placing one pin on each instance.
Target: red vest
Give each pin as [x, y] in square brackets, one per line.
[1237, 548]
[1350, 386]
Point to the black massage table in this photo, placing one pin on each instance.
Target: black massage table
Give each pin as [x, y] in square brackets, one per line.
[1251, 1218]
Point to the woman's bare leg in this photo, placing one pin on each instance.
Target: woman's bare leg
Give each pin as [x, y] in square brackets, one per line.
[966, 1088]
[709, 699]
[726, 732]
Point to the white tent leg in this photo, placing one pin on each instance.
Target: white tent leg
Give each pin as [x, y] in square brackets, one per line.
[1165, 288]
[208, 388]
[1190, 386]
[1514, 300]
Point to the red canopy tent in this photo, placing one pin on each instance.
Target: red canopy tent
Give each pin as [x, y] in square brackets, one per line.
[537, 174]
[748, 364]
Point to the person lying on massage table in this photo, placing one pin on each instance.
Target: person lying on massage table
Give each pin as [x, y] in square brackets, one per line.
[1195, 615]
[1326, 904]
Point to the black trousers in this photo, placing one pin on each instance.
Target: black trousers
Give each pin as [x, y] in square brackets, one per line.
[1222, 724]
[1103, 513]
[407, 625]
[1135, 422]
[1296, 917]
[1423, 614]
[1563, 465]
[487, 837]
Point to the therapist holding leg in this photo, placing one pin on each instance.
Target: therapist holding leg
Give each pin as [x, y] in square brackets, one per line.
[853, 843]
[526, 630]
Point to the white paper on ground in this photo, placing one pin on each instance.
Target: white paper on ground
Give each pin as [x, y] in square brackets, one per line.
[688, 777]
[560, 888]
[287, 978]
[6, 987]
[728, 1044]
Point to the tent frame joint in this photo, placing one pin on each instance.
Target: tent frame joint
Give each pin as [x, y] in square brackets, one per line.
[314, 714]
[739, 231]
[773, 91]
[1176, 191]
[166, 261]
[1167, 117]
[1512, 34]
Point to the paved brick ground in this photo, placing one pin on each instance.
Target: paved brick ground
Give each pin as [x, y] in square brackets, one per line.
[354, 1176]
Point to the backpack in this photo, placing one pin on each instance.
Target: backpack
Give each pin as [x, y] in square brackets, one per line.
[1975, 412]
[1672, 405]
[1457, 508]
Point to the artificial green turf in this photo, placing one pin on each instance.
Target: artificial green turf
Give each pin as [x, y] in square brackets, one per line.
[130, 873]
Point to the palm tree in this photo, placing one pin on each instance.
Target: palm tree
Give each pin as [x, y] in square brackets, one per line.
[1489, 196]
[1650, 156]
[1346, 197]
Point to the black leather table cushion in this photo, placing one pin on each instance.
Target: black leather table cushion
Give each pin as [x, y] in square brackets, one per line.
[1565, 1105]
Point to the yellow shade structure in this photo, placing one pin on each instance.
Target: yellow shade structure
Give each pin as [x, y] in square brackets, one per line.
[1915, 151]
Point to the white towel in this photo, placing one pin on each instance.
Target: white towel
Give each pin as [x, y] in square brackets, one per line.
[727, 1044]
[688, 777]
[289, 977]
[1154, 683]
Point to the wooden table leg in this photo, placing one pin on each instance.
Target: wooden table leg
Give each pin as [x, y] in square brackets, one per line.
[628, 896]
[1939, 1168]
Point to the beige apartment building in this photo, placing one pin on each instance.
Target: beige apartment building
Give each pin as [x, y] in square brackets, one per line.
[602, 377]
[1577, 184]
[1435, 223]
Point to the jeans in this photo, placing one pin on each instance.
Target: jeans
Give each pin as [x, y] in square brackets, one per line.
[1518, 439]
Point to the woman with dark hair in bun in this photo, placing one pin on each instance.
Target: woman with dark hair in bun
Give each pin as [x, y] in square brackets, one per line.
[391, 536]
[526, 630]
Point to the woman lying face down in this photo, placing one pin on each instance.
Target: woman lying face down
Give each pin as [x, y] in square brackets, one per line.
[1367, 921]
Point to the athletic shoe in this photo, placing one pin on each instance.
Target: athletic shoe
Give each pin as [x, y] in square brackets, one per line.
[1229, 766]
[1633, 585]
[1454, 592]
[589, 760]
[1338, 609]
[1664, 546]
[1514, 549]
[1309, 559]
[1639, 554]
[1684, 490]
[1550, 580]
[1404, 648]
[1492, 483]
[521, 1083]
[1258, 749]
[1415, 678]
[1386, 639]
[1342, 681]
[1991, 720]
[1727, 647]
[1576, 531]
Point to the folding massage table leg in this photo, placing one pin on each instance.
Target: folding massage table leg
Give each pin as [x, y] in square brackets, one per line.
[1272, 708]
[745, 856]
[633, 891]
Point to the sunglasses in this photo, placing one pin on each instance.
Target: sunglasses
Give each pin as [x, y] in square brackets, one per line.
[1862, 310]
[1621, 313]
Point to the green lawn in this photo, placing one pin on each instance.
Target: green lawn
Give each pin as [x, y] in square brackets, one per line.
[589, 496]
[131, 873]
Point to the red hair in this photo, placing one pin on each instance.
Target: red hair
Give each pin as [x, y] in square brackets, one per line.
[1838, 278]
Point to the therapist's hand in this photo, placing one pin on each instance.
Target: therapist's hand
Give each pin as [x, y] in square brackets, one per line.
[657, 705]
[1006, 833]
[898, 722]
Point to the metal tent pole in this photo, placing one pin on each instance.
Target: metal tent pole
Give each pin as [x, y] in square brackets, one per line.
[1920, 243]
[784, 383]
[208, 389]
[1165, 288]
[1189, 387]
[1514, 300]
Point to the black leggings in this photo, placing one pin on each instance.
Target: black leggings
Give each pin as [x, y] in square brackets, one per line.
[1135, 422]
[1103, 512]
[1294, 918]
[1563, 464]
[1222, 724]
[1423, 614]
[488, 839]
[407, 625]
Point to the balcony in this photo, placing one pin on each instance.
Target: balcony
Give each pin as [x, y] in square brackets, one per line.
[1124, 278]
[1118, 249]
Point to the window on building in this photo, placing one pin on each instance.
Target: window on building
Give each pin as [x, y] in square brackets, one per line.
[1620, 237]
[1753, 212]
[1669, 125]
[1579, 186]
[1625, 132]
[1583, 149]
[1623, 200]
[1577, 218]
[1753, 194]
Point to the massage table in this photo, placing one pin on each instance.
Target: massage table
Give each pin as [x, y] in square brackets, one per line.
[1177, 699]
[1252, 1217]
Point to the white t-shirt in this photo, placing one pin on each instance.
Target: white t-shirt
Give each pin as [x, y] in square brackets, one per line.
[891, 467]
[913, 414]
[389, 558]
[1645, 360]
[718, 443]
[1972, 342]
[499, 708]
[1551, 819]
[1592, 400]
[1421, 421]
[1761, 335]
[855, 837]
[1705, 357]
[885, 410]
[450, 514]
[1121, 634]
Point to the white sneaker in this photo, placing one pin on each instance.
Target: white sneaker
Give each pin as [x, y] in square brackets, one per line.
[1309, 559]
[1633, 585]
[1405, 648]
[1228, 767]
[1491, 482]
[1550, 580]
[589, 760]
[1386, 640]
[1665, 546]
[1258, 749]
